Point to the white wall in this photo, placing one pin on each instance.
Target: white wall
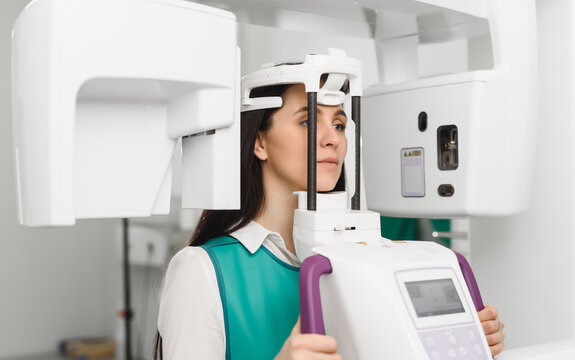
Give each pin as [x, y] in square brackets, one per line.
[54, 283]
[524, 263]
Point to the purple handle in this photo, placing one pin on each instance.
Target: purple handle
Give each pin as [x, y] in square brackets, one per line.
[311, 270]
[470, 280]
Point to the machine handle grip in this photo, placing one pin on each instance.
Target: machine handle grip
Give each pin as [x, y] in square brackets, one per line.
[311, 270]
[470, 280]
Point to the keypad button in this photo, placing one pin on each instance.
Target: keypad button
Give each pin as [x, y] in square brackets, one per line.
[452, 340]
[452, 353]
[435, 356]
[462, 351]
[478, 349]
[430, 342]
[471, 335]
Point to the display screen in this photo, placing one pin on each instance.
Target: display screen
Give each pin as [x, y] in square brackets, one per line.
[434, 297]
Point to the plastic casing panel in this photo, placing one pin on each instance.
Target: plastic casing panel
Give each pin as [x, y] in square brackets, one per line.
[495, 111]
[395, 115]
[365, 308]
[333, 222]
[102, 92]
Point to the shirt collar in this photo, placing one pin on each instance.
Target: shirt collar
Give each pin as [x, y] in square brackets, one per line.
[252, 236]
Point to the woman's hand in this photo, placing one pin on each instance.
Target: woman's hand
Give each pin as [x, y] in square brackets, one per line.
[308, 346]
[493, 328]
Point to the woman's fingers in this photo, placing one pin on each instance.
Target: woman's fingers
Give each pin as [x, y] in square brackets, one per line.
[308, 346]
[495, 338]
[309, 355]
[496, 349]
[493, 329]
[492, 326]
[314, 343]
[489, 312]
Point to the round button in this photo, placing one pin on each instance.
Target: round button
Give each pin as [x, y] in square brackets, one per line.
[471, 335]
[452, 353]
[430, 341]
[478, 349]
[446, 190]
[462, 351]
[435, 355]
[422, 121]
[452, 340]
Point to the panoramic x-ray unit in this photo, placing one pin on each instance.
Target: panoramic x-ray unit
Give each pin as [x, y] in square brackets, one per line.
[96, 124]
[413, 295]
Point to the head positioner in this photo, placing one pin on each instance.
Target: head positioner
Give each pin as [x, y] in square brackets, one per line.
[308, 72]
[339, 68]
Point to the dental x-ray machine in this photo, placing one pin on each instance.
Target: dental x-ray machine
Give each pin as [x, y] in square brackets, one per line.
[98, 111]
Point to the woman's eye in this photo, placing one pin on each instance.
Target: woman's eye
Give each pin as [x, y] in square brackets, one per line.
[339, 127]
[304, 122]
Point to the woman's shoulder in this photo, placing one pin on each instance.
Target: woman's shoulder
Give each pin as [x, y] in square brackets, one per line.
[190, 271]
[192, 257]
[188, 257]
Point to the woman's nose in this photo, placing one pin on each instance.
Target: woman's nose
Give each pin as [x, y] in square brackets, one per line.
[327, 135]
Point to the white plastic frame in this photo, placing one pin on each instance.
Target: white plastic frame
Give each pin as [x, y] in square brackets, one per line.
[307, 73]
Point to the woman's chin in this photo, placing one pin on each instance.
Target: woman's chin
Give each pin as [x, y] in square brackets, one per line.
[325, 187]
[327, 181]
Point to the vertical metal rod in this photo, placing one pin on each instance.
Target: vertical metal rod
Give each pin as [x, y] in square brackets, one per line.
[355, 115]
[127, 301]
[311, 150]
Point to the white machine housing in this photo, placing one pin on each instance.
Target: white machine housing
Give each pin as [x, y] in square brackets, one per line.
[332, 222]
[380, 321]
[488, 114]
[104, 89]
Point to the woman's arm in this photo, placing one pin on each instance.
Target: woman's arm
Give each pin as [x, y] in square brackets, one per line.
[493, 328]
[190, 318]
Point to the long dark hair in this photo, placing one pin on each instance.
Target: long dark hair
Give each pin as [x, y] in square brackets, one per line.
[216, 223]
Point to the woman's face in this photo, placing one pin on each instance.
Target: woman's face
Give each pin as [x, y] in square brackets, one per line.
[283, 147]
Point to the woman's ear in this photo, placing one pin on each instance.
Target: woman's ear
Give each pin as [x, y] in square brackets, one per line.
[260, 149]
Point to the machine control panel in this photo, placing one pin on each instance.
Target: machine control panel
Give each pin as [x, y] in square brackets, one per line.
[442, 314]
[453, 343]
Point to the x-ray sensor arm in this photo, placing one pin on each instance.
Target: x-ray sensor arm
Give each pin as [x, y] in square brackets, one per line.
[98, 110]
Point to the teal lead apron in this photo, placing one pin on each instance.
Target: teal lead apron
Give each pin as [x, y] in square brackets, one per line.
[260, 298]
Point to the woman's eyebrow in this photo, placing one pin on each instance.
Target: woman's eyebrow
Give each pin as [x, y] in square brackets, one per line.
[342, 113]
[301, 109]
[304, 109]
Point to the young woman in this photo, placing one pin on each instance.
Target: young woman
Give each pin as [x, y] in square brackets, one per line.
[232, 294]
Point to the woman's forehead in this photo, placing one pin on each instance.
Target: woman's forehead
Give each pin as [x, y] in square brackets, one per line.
[295, 97]
[295, 93]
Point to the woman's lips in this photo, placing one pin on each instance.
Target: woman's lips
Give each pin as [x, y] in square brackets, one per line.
[329, 162]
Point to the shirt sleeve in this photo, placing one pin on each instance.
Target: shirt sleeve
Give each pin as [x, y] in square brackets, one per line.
[190, 318]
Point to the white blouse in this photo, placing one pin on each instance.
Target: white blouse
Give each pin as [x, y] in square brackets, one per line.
[191, 320]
